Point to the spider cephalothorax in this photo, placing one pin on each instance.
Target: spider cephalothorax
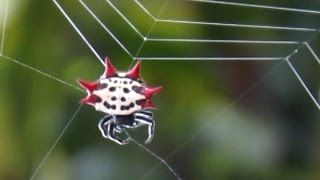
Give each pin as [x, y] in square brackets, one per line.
[124, 97]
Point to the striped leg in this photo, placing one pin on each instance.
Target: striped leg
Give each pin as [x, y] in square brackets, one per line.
[103, 125]
[145, 117]
[108, 128]
[113, 137]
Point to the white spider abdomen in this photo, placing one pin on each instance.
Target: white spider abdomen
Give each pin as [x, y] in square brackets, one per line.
[118, 96]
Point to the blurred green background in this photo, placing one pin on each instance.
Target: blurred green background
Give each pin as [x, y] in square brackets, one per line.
[223, 119]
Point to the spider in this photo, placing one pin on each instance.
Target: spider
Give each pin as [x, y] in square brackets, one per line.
[126, 100]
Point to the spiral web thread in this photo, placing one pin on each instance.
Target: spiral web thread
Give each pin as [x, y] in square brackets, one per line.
[297, 46]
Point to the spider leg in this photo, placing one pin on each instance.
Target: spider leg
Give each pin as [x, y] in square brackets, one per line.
[108, 128]
[118, 129]
[103, 124]
[113, 137]
[145, 117]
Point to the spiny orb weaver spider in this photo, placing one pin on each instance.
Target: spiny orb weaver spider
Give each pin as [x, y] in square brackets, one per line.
[125, 98]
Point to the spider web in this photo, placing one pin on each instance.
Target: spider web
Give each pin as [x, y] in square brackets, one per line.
[289, 46]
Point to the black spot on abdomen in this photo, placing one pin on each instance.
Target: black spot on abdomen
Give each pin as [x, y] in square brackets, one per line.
[137, 89]
[109, 106]
[126, 90]
[131, 105]
[140, 102]
[111, 89]
[102, 86]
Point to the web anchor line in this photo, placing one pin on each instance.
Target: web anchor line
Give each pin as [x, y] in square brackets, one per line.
[78, 31]
[154, 155]
[306, 11]
[252, 26]
[46, 75]
[312, 52]
[55, 142]
[302, 83]
[221, 41]
[145, 10]
[4, 26]
[41, 72]
[215, 58]
[125, 18]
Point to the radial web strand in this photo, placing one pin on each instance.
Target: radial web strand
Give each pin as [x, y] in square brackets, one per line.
[56, 142]
[4, 26]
